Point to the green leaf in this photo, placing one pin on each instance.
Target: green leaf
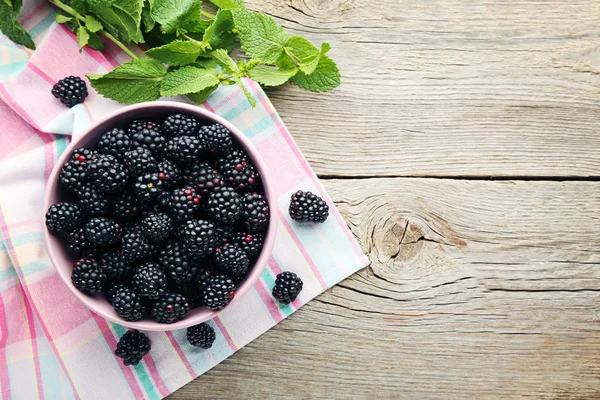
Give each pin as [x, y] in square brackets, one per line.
[133, 82]
[82, 36]
[260, 35]
[11, 28]
[219, 30]
[202, 95]
[223, 59]
[206, 63]
[325, 77]
[8, 3]
[61, 19]
[92, 24]
[303, 53]
[229, 4]
[188, 80]
[270, 76]
[177, 15]
[178, 52]
[325, 47]
[79, 5]
[121, 18]
[95, 42]
[147, 19]
[247, 93]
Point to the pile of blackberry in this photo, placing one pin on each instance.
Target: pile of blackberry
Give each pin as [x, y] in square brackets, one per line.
[162, 216]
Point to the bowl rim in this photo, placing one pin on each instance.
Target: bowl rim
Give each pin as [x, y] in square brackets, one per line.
[147, 325]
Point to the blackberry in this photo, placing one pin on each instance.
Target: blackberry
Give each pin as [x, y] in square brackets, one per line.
[157, 227]
[82, 155]
[92, 202]
[140, 161]
[64, 217]
[251, 243]
[70, 91]
[203, 177]
[132, 347]
[216, 138]
[180, 125]
[308, 207]
[169, 308]
[287, 287]
[176, 263]
[201, 335]
[225, 206]
[78, 244]
[199, 238]
[147, 134]
[102, 231]
[185, 202]
[238, 171]
[116, 266]
[196, 287]
[171, 174]
[115, 142]
[148, 188]
[107, 174]
[150, 281]
[110, 288]
[128, 304]
[183, 149]
[87, 275]
[224, 234]
[219, 292]
[255, 212]
[125, 207]
[73, 175]
[232, 259]
[136, 248]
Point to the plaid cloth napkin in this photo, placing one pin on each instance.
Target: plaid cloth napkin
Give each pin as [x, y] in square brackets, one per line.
[51, 346]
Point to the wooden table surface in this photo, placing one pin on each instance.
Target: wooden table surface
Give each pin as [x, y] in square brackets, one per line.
[463, 150]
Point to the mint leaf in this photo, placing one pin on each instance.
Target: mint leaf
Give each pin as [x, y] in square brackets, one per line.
[79, 5]
[121, 18]
[303, 53]
[219, 33]
[270, 76]
[229, 4]
[188, 80]
[133, 82]
[247, 93]
[95, 42]
[177, 15]
[11, 28]
[147, 19]
[8, 3]
[260, 35]
[222, 58]
[92, 24]
[202, 95]
[82, 36]
[178, 52]
[61, 19]
[206, 63]
[325, 77]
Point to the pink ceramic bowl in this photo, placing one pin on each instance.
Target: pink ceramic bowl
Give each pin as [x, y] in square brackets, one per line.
[63, 261]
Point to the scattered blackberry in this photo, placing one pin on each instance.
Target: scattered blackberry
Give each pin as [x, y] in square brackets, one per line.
[132, 347]
[107, 174]
[140, 161]
[199, 238]
[150, 281]
[251, 243]
[147, 134]
[176, 263]
[157, 227]
[203, 177]
[169, 308]
[64, 217]
[77, 243]
[71, 90]
[87, 275]
[180, 125]
[185, 202]
[308, 207]
[232, 259]
[238, 171]
[225, 206]
[102, 231]
[136, 248]
[115, 142]
[201, 335]
[73, 175]
[218, 292]
[116, 266]
[216, 138]
[125, 207]
[183, 149]
[255, 212]
[128, 304]
[287, 287]
[172, 174]
[92, 202]
[148, 188]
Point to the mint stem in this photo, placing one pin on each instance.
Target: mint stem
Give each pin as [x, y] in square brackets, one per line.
[207, 14]
[121, 45]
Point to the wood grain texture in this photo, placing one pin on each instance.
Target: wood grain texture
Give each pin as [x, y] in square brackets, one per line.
[477, 290]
